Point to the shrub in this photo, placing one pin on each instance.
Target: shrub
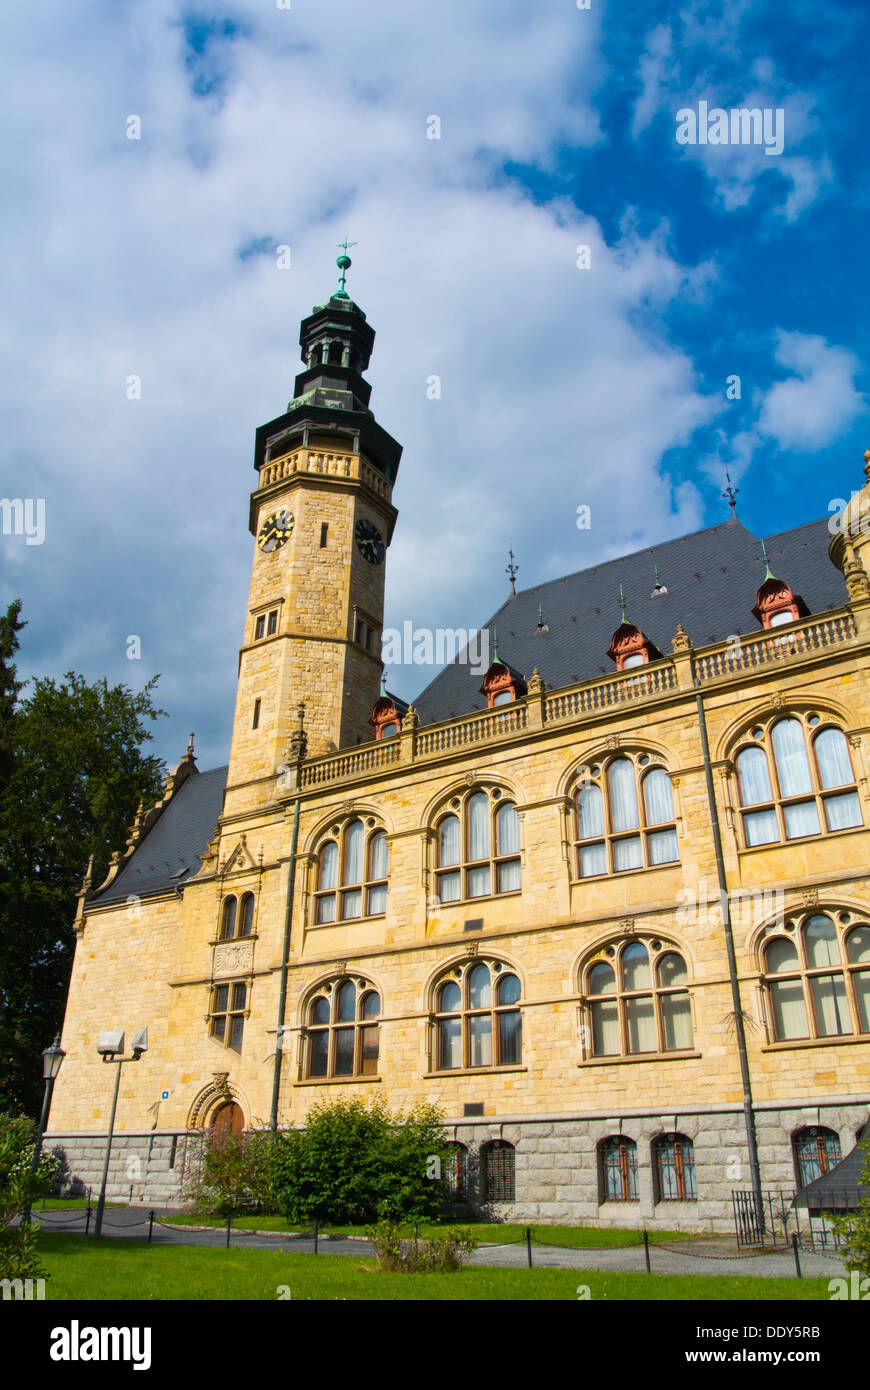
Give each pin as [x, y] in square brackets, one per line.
[233, 1173]
[397, 1250]
[355, 1163]
[19, 1189]
[853, 1228]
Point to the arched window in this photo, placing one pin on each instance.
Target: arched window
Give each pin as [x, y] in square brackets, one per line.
[352, 875]
[796, 779]
[456, 1173]
[816, 1152]
[674, 1168]
[624, 817]
[478, 1021]
[498, 1171]
[246, 915]
[637, 999]
[818, 978]
[617, 1169]
[228, 918]
[342, 1030]
[478, 848]
[229, 1004]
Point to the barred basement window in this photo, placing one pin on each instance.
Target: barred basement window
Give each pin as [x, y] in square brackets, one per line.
[498, 1162]
[228, 1014]
[624, 818]
[674, 1168]
[362, 865]
[816, 1152]
[456, 1173]
[617, 1170]
[818, 979]
[343, 1031]
[478, 848]
[796, 780]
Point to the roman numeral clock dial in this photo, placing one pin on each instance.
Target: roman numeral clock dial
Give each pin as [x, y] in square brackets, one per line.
[370, 542]
[276, 531]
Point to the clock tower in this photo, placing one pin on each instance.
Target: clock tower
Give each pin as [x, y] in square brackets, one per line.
[322, 518]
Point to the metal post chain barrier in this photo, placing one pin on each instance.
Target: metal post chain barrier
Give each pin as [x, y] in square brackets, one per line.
[646, 1250]
[150, 1226]
[529, 1244]
[229, 1224]
[797, 1258]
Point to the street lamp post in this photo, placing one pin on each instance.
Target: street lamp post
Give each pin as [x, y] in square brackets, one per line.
[52, 1058]
[110, 1046]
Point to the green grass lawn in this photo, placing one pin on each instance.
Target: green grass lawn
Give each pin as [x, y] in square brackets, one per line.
[128, 1270]
[486, 1233]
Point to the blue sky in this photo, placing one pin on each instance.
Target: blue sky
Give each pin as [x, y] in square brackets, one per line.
[260, 127]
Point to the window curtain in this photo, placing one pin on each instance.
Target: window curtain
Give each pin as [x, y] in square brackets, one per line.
[627, 854]
[663, 847]
[676, 1021]
[658, 797]
[605, 1028]
[508, 829]
[802, 818]
[509, 877]
[590, 805]
[641, 1025]
[510, 1045]
[820, 936]
[478, 827]
[480, 988]
[635, 967]
[329, 865]
[861, 982]
[790, 751]
[761, 828]
[480, 1040]
[353, 853]
[380, 856]
[789, 1010]
[842, 812]
[832, 756]
[623, 795]
[829, 1005]
[593, 860]
[754, 777]
[448, 849]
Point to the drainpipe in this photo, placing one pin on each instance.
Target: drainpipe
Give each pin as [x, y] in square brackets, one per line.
[282, 995]
[724, 898]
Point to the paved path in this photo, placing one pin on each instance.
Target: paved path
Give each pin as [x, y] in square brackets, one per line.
[713, 1256]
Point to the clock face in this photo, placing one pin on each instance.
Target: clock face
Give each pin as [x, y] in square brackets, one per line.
[370, 542]
[276, 530]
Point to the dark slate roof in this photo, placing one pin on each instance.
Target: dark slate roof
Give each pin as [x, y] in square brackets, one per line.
[712, 578]
[841, 1186]
[172, 849]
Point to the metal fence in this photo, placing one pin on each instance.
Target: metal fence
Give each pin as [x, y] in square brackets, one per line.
[779, 1217]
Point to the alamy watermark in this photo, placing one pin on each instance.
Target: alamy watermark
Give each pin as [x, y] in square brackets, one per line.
[423, 646]
[23, 517]
[741, 125]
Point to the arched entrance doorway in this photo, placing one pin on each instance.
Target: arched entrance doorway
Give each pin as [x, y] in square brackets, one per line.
[228, 1120]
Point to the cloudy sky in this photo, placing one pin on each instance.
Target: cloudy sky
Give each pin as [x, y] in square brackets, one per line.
[297, 123]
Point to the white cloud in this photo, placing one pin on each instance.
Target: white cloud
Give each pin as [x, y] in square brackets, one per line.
[811, 409]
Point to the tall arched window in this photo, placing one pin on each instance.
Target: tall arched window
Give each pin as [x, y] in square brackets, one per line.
[478, 1021]
[624, 817]
[342, 1032]
[617, 1169]
[637, 1000]
[228, 918]
[816, 1152]
[237, 917]
[352, 873]
[497, 1161]
[478, 847]
[817, 978]
[796, 779]
[674, 1168]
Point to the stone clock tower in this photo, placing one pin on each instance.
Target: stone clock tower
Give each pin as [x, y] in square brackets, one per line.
[322, 517]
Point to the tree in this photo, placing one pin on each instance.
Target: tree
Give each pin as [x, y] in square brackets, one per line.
[75, 776]
[20, 1187]
[853, 1229]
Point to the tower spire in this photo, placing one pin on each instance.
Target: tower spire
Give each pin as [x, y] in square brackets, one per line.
[344, 264]
[512, 571]
[767, 573]
[622, 604]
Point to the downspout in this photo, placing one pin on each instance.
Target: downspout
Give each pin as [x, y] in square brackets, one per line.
[724, 898]
[282, 994]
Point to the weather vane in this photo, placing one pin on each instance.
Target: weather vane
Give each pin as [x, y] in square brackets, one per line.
[344, 264]
[731, 493]
[622, 603]
[512, 570]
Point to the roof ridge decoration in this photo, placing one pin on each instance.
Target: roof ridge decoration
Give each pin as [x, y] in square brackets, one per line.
[144, 821]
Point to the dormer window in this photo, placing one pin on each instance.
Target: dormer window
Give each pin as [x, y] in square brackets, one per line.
[777, 603]
[502, 684]
[387, 715]
[630, 648]
[636, 659]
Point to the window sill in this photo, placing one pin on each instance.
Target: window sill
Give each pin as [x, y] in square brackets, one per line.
[349, 921]
[334, 1080]
[621, 1061]
[471, 1071]
[624, 873]
[836, 1040]
[469, 902]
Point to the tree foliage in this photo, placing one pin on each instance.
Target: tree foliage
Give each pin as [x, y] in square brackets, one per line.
[20, 1187]
[73, 774]
[853, 1228]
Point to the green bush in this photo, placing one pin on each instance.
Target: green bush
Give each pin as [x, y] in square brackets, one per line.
[233, 1174]
[19, 1189]
[396, 1249]
[355, 1163]
[853, 1229]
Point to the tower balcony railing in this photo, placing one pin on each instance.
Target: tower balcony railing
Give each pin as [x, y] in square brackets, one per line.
[581, 703]
[324, 463]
